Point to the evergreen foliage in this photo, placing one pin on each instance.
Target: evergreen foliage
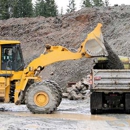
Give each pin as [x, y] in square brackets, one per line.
[71, 6]
[87, 3]
[40, 8]
[61, 12]
[90, 3]
[106, 3]
[23, 8]
[98, 2]
[46, 8]
[15, 8]
[4, 7]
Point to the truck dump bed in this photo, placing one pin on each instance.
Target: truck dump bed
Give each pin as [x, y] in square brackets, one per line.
[110, 80]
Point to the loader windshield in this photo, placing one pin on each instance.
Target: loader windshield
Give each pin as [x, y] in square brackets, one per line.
[11, 57]
[19, 59]
[7, 58]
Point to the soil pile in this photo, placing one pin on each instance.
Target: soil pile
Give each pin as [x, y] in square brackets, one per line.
[69, 30]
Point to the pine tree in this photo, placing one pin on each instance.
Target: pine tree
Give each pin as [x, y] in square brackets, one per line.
[71, 6]
[51, 8]
[23, 8]
[106, 3]
[46, 8]
[40, 8]
[5, 9]
[87, 3]
[61, 12]
[98, 2]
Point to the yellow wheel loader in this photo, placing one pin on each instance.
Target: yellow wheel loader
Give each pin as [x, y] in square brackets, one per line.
[20, 84]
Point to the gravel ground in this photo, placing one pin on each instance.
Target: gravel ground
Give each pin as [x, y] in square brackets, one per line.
[70, 115]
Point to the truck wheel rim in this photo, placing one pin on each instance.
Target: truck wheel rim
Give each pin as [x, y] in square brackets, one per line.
[41, 99]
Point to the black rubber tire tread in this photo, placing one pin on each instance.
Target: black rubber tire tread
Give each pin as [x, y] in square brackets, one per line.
[30, 82]
[127, 111]
[99, 111]
[58, 89]
[127, 103]
[93, 111]
[96, 103]
[52, 92]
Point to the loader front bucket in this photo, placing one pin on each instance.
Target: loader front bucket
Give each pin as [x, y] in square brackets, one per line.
[93, 45]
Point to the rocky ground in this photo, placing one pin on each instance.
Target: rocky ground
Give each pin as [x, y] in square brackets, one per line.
[69, 30]
[70, 115]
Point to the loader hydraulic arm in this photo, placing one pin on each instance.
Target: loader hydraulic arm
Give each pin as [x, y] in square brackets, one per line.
[91, 47]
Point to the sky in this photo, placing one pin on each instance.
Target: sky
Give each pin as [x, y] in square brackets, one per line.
[63, 3]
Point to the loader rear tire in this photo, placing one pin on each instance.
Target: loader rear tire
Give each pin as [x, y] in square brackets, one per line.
[42, 98]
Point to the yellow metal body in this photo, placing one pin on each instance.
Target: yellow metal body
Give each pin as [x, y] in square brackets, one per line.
[4, 89]
[3, 42]
[51, 55]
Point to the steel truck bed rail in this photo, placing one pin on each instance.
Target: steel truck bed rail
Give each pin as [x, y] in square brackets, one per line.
[111, 80]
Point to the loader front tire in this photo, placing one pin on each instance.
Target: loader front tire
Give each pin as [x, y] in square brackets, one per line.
[42, 98]
[58, 90]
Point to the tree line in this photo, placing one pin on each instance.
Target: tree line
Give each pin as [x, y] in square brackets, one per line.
[46, 8]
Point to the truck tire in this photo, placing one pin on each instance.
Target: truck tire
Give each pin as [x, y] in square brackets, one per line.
[127, 103]
[42, 98]
[96, 103]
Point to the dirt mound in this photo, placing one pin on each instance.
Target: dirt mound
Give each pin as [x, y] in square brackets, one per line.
[69, 30]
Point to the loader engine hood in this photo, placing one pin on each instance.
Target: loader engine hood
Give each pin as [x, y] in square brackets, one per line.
[94, 44]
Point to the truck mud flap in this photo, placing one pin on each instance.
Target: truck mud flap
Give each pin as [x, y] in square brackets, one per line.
[96, 103]
[127, 103]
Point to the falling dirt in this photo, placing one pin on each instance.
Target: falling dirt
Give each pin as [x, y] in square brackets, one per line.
[113, 60]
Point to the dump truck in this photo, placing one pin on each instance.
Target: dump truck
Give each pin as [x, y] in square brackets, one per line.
[110, 88]
[23, 85]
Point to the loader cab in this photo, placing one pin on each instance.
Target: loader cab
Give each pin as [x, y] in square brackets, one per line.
[11, 56]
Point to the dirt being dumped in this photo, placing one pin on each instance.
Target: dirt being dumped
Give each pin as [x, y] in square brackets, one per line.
[113, 60]
[69, 30]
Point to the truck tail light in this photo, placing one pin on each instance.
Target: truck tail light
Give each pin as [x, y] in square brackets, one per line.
[97, 78]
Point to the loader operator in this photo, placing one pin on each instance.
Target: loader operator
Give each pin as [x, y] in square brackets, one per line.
[7, 59]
